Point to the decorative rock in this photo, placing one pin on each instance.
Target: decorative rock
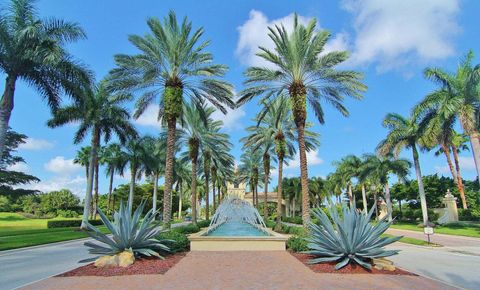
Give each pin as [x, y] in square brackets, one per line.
[125, 258]
[383, 264]
[106, 261]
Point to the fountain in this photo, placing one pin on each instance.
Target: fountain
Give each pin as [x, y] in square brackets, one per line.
[236, 226]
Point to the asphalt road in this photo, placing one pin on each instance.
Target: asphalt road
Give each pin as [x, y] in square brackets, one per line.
[24, 266]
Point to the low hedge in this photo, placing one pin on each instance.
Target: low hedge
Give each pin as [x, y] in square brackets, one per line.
[177, 242]
[188, 229]
[297, 243]
[293, 219]
[203, 223]
[70, 223]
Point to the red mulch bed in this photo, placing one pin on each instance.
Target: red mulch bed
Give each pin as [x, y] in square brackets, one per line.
[147, 265]
[348, 269]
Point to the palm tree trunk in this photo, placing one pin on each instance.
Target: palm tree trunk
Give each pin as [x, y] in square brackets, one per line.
[194, 191]
[88, 194]
[133, 173]
[279, 192]
[294, 206]
[350, 194]
[389, 202]
[375, 199]
[256, 196]
[265, 200]
[459, 177]
[220, 195]
[110, 188]
[6, 108]
[213, 195]
[475, 143]
[207, 197]
[421, 189]
[303, 176]
[167, 193]
[446, 152]
[180, 195]
[155, 191]
[364, 199]
[95, 199]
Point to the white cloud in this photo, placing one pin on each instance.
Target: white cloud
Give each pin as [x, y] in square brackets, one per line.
[466, 164]
[231, 120]
[312, 159]
[19, 167]
[149, 117]
[77, 185]
[35, 144]
[398, 32]
[62, 166]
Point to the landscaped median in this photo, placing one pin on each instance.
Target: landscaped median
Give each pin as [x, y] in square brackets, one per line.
[467, 229]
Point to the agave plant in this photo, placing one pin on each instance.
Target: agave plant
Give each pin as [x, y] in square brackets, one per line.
[347, 239]
[127, 233]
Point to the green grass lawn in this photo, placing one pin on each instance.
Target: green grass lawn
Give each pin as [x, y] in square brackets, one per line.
[16, 231]
[459, 229]
[413, 241]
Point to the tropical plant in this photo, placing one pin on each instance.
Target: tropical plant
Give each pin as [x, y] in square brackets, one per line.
[153, 163]
[379, 169]
[115, 161]
[182, 172]
[249, 173]
[34, 50]
[177, 68]
[347, 169]
[83, 158]
[301, 67]
[349, 238]
[128, 233]
[101, 113]
[456, 99]
[405, 133]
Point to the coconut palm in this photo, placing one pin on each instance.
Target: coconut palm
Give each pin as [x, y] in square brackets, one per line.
[405, 133]
[101, 114]
[34, 50]
[171, 68]
[456, 98]
[83, 158]
[275, 133]
[248, 171]
[115, 161]
[302, 69]
[349, 168]
[380, 167]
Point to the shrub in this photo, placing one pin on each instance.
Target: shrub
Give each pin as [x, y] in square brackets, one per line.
[297, 243]
[350, 238]
[203, 224]
[468, 214]
[188, 229]
[129, 232]
[71, 223]
[176, 241]
[270, 224]
[67, 213]
[293, 220]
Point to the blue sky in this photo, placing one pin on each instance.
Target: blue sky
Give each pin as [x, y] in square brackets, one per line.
[390, 42]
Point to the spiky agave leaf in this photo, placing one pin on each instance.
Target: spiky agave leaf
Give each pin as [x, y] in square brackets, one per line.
[349, 238]
[128, 232]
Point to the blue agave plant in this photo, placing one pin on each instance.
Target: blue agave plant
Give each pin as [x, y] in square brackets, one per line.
[127, 233]
[349, 238]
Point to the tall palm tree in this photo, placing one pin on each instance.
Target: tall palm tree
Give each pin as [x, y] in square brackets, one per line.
[101, 114]
[182, 176]
[349, 168]
[83, 158]
[380, 168]
[275, 132]
[405, 133]
[137, 153]
[34, 50]
[171, 68]
[153, 163]
[248, 171]
[115, 161]
[302, 70]
[456, 98]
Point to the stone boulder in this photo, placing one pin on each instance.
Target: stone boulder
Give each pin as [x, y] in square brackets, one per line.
[383, 264]
[123, 259]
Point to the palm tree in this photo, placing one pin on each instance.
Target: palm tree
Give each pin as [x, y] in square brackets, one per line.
[100, 113]
[405, 133]
[380, 168]
[137, 155]
[34, 50]
[115, 161]
[248, 171]
[275, 132]
[182, 175]
[457, 99]
[83, 158]
[306, 73]
[175, 69]
[349, 168]
[153, 163]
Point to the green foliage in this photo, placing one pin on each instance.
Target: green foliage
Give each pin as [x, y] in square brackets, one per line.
[67, 213]
[188, 229]
[70, 223]
[129, 232]
[58, 200]
[175, 240]
[203, 223]
[4, 204]
[293, 219]
[297, 243]
[468, 214]
[348, 239]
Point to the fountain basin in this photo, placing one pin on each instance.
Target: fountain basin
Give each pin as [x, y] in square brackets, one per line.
[222, 239]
